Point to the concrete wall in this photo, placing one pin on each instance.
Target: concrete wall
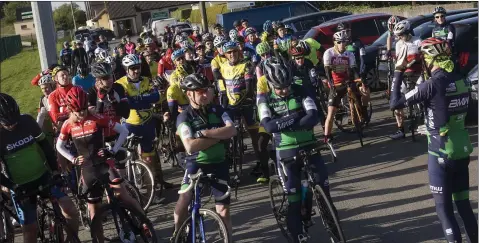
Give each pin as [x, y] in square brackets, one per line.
[28, 27]
[418, 9]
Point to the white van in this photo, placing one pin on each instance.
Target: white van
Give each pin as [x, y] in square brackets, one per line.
[158, 26]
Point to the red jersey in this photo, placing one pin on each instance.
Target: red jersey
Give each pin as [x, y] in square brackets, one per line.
[340, 64]
[57, 102]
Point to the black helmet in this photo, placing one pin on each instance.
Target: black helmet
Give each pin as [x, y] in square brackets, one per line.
[9, 111]
[100, 70]
[82, 69]
[194, 82]
[439, 9]
[343, 26]
[236, 23]
[160, 82]
[278, 73]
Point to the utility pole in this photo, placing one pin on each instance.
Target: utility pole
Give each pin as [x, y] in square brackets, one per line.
[204, 18]
[45, 32]
[73, 16]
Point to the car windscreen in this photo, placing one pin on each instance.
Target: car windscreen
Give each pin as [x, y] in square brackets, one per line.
[182, 26]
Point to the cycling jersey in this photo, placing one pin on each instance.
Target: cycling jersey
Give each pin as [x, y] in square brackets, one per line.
[190, 121]
[130, 48]
[285, 118]
[85, 83]
[176, 97]
[446, 32]
[217, 61]
[141, 96]
[315, 47]
[23, 157]
[165, 65]
[340, 63]
[409, 50]
[44, 120]
[283, 43]
[66, 56]
[57, 103]
[234, 80]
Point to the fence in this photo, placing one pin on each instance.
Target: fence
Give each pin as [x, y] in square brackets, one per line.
[10, 46]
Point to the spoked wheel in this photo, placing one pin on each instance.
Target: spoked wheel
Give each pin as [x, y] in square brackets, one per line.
[342, 117]
[142, 178]
[279, 205]
[328, 214]
[208, 224]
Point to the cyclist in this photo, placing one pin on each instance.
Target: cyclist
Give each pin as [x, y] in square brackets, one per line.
[210, 48]
[47, 85]
[247, 53]
[168, 37]
[140, 46]
[237, 27]
[408, 60]
[166, 65]
[289, 112]
[196, 36]
[339, 66]
[66, 55]
[218, 28]
[449, 145]
[47, 71]
[119, 71]
[130, 47]
[86, 131]
[391, 39]
[203, 62]
[234, 80]
[446, 32]
[103, 44]
[268, 34]
[233, 34]
[282, 42]
[78, 56]
[244, 25]
[357, 48]
[177, 100]
[90, 48]
[219, 57]
[141, 97]
[83, 78]
[202, 126]
[29, 161]
[100, 55]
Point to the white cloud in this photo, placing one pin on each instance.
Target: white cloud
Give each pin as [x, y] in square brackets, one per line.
[58, 4]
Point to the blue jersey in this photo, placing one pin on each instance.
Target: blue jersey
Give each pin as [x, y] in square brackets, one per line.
[86, 83]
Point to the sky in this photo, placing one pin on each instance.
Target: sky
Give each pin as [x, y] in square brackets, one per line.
[58, 4]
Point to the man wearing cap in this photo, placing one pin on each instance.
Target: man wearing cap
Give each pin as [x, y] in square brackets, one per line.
[66, 55]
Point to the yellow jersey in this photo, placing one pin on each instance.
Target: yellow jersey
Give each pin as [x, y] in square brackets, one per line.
[235, 77]
[174, 94]
[144, 86]
[217, 61]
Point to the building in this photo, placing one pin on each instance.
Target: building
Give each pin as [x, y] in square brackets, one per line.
[24, 25]
[129, 17]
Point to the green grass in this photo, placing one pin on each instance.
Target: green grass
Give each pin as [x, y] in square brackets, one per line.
[17, 72]
[6, 29]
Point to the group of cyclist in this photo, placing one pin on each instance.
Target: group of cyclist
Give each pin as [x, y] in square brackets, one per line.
[203, 82]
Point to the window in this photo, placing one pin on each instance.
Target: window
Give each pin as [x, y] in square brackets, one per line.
[309, 23]
[382, 25]
[365, 27]
[466, 34]
[24, 27]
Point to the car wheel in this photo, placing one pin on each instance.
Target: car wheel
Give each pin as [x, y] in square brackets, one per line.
[372, 79]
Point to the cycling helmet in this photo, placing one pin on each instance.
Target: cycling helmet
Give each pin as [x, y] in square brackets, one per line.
[267, 26]
[233, 34]
[194, 82]
[177, 54]
[340, 36]
[58, 69]
[303, 44]
[196, 28]
[207, 37]
[439, 9]
[403, 27]
[219, 41]
[279, 25]
[110, 60]
[435, 47]
[236, 23]
[184, 44]
[249, 31]
[82, 69]
[392, 21]
[100, 70]
[296, 51]
[130, 60]
[230, 45]
[343, 26]
[278, 73]
[243, 20]
[46, 79]
[9, 110]
[288, 27]
[218, 26]
[274, 24]
[100, 53]
[263, 48]
[76, 99]
[147, 41]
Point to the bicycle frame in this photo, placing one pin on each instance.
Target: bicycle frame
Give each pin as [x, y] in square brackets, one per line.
[195, 212]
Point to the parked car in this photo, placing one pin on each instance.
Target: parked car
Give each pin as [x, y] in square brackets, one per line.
[109, 35]
[473, 103]
[303, 23]
[422, 26]
[184, 27]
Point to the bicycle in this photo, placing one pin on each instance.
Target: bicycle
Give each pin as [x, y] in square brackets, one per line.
[388, 60]
[324, 204]
[50, 218]
[414, 112]
[236, 151]
[7, 212]
[128, 222]
[322, 99]
[193, 228]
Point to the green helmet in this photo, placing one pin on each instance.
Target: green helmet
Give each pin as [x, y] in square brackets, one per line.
[262, 48]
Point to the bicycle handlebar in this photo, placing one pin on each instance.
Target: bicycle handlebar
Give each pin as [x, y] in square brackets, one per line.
[196, 178]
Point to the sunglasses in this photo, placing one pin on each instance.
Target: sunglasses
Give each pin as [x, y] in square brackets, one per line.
[134, 68]
[439, 16]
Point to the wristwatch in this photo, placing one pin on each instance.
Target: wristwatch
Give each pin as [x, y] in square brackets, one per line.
[199, 134]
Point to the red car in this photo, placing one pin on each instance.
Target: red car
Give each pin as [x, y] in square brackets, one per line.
[368, 27]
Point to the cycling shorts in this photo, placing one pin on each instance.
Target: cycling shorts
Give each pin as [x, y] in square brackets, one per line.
[91, 175]
[341, 91]
[448, 177]
[27, 209]
[147, 133]
[248, 113]
[220, 170]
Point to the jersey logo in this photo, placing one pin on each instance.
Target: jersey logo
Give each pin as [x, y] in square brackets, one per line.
[458, 102]
[19, 143]
[451, 88]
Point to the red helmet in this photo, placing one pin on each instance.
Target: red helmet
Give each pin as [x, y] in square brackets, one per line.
[77, 99]
[435, 47]
[296, 51]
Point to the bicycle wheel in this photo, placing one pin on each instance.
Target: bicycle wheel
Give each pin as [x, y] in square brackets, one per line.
[357, 123]
[342, 117]
[328, 215]
[216, 231]
[122, 222]
[135, 193]
[142, 178]
[279, 205]
[7, 232]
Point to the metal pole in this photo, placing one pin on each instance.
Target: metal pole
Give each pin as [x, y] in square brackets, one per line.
[73, 16]
[204, 18]
[45, 32]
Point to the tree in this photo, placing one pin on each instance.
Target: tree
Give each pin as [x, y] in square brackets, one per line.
[10, 10]
[62, 16]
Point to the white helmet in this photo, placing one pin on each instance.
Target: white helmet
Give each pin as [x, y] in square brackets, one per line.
[110, 60]
[340, 36]
[46, 79]
[100, 53]
[219, 41]
[233, 34]
[196, 28]
[130, 60]
[402, 27]
[147, 41]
